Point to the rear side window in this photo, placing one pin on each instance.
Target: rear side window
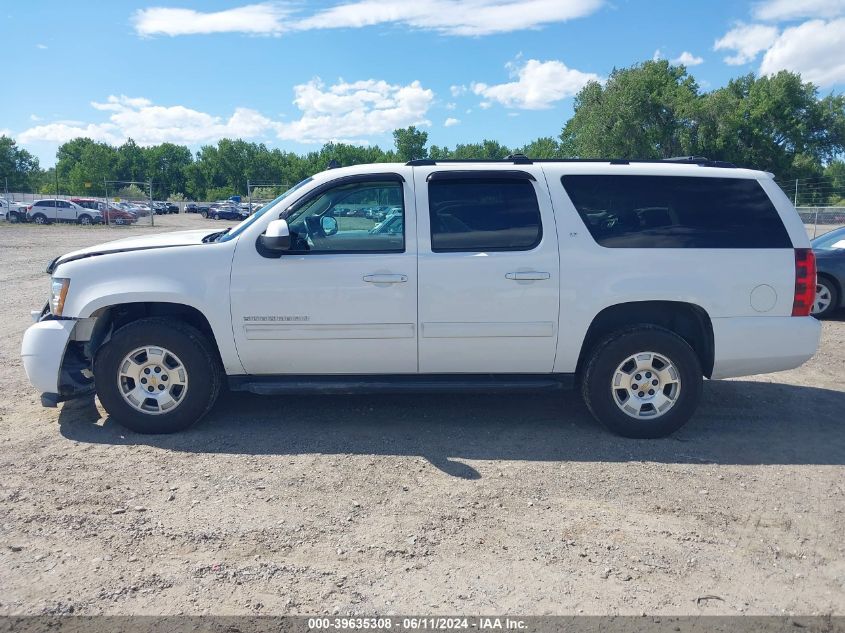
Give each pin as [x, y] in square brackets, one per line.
[483, 215]
[676, 212]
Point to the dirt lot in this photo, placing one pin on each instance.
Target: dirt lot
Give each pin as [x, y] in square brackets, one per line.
[463, 504]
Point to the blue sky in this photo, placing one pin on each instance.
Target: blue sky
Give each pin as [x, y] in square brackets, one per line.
[297, 74]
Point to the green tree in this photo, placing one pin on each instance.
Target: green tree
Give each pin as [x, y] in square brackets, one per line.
[545, 147]
[83, 165]
[18, 168]
[410, 143]
[645, 111]
[166, 167]
[774, 123]
[131, 162]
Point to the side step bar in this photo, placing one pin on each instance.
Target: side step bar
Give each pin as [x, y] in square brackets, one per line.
[411, 383]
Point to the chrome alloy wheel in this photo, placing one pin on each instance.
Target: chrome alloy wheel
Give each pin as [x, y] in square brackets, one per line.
[152, 380]
[646, 385]
[823, 299]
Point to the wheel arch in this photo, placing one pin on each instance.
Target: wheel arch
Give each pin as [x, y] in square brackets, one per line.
[689, 321]
[112, 317]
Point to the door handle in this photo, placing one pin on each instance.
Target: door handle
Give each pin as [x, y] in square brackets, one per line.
[527, 275]
[384, 278]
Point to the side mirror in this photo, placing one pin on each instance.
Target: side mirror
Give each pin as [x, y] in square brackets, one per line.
[329, 225]
[277, 236]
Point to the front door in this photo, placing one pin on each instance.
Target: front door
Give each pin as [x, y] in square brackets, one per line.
[343, 300]
[488, 268]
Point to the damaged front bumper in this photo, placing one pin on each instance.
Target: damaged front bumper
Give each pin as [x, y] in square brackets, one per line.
[55, 358]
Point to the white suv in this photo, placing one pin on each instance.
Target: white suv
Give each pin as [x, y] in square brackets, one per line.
[631, 280]
[53, 210]
[12, 211]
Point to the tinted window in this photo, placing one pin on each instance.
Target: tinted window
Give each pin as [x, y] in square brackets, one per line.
[483, 215]
[46, 203]
[359, 217]
[676, 212]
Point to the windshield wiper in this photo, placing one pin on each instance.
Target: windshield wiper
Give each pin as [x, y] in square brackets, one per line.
[214, 237]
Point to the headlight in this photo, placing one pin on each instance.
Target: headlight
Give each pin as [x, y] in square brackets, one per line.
[58, 292]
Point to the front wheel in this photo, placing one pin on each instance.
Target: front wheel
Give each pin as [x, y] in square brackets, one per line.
[40, 218]
[204, 214]
[642, 382]
[157, 375]
[827, 298]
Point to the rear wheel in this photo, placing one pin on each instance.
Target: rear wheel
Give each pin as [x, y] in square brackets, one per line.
[642, 382]
[157, 376]
[85, 219]
[827, 298]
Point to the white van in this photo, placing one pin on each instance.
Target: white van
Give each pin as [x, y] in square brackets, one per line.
[630, 280]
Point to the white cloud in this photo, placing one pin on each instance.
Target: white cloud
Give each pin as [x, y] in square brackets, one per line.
[451, 121]
[457, 91]
[5, 132]
[747, 40]
[536, 86]
[782, 10]
[342, 112]
[814, 49]
[451, 17]
[451, 106]
[34, 117]
[43, 47]
[353, 111]
[688, 59]
[658, 55]
[267, 18]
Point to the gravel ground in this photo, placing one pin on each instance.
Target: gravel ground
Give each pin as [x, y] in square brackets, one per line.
[416, 504]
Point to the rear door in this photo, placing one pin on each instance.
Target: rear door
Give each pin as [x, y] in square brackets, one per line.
[488, 270]
[65, 211]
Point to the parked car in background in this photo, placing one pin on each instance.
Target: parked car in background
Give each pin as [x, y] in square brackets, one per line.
[227, 212]
[830, 272]
[191, 207]
[172, 207]
[12, 211]
[116, 215]
[52, 210]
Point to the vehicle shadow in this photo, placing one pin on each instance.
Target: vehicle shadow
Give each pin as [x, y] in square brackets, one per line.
[739, 422]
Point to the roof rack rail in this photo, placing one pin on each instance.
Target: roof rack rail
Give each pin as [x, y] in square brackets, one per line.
[522, 159]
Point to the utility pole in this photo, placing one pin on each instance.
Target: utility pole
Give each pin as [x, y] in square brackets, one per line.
[795, 202]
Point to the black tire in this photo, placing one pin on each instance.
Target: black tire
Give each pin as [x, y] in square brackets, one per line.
[204, 214]
[612, 351]
[85, 219]
[40, 218]
[14, 218]
[197, 354]
[823, 282]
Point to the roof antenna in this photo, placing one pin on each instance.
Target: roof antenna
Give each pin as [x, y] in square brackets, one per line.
[333, 164]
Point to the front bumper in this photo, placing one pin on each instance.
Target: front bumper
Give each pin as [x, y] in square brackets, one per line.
[54, 362]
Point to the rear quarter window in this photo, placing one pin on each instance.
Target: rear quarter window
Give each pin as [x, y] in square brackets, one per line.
[623, 211]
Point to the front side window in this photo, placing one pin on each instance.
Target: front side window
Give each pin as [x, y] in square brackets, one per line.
[359, 217]
[477, 215]
[676, 212]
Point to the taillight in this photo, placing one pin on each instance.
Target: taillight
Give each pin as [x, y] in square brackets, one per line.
[805, 282]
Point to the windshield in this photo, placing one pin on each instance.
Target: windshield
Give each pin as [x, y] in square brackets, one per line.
[239, 228]
[834, 240]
